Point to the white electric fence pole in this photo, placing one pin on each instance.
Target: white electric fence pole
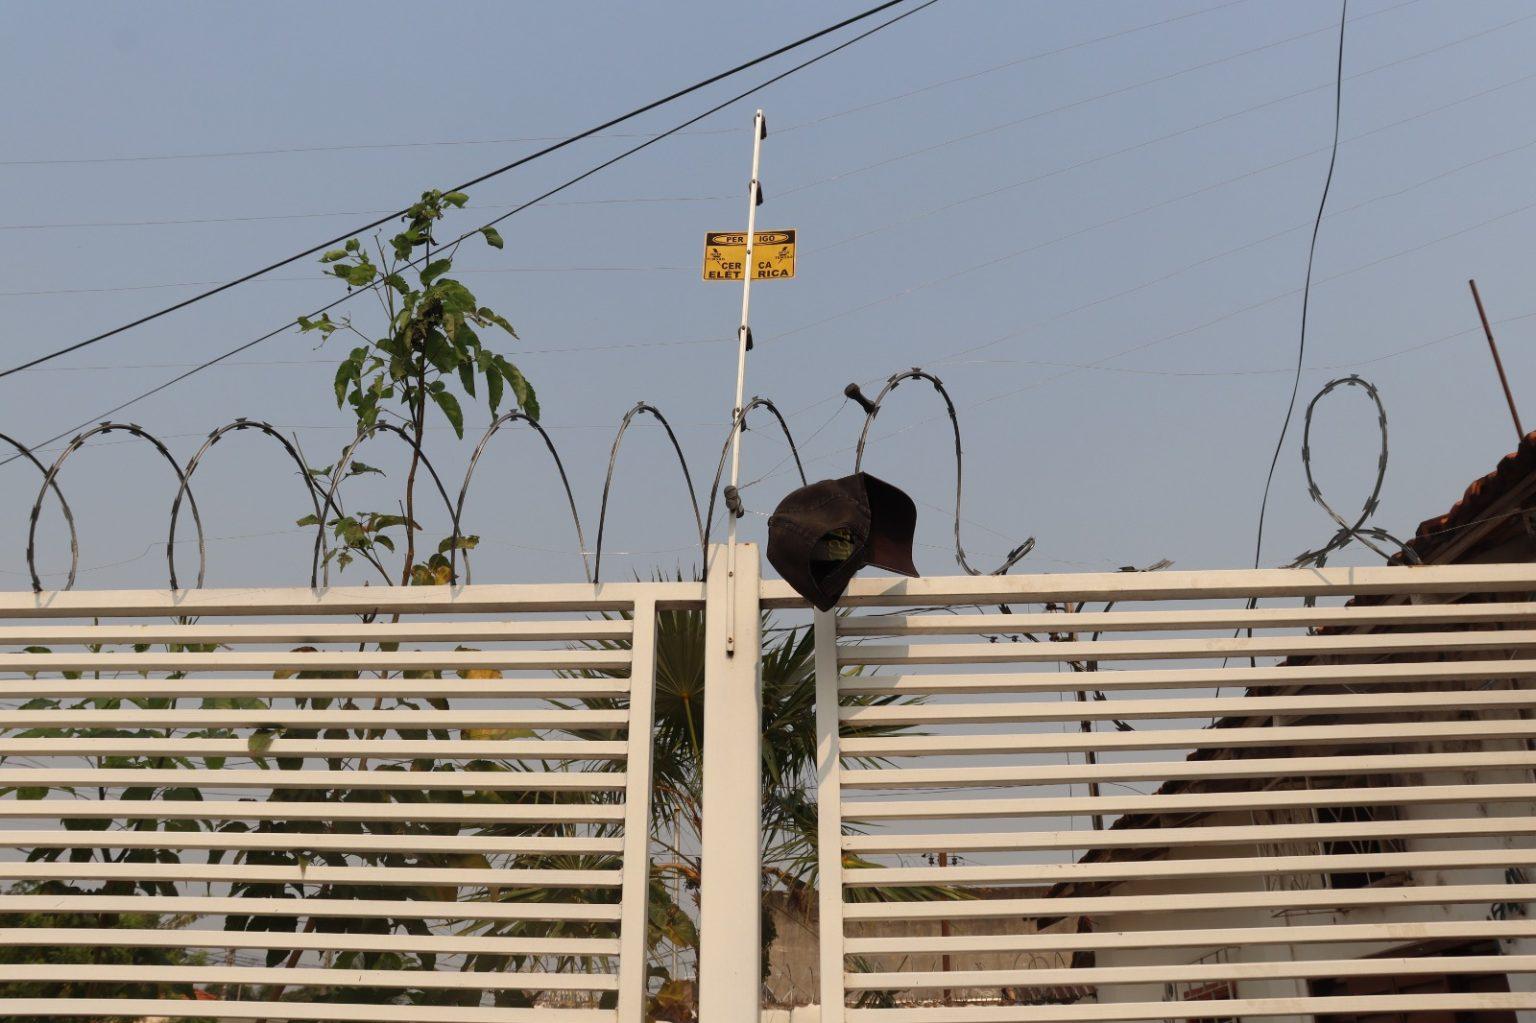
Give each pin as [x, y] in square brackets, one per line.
[743, 342]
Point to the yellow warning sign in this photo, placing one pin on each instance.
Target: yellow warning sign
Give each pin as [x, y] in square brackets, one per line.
[725, 252]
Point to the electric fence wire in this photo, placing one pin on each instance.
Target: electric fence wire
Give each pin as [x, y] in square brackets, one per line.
[495, 172]
[518, 209]
[1306, 290]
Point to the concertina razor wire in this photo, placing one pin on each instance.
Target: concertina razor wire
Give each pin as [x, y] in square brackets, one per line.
[325, 497]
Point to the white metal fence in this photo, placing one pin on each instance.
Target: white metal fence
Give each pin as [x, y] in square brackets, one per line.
[363, 804]
[432, 804]
[1139, 807]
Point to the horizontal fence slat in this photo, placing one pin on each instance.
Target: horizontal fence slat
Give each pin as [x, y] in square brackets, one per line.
[542, 845]
[332, 1012]
[1324, 900]
[1159, 870]
[318, 632]
[579, 781]
[1190, 678]
[1217, 937]
[1238, 1008]
[1185, 738]
[1180, 649]
[1093, 587]
[325, 660]
[440, 944]
[257, 717]
[406, 909]
[193, 809]
[310, 874]
[1235, 706]
[437, 980]
[405, 749]
[1200, 802]
[313, 688]
[1254, 767]
[1201, 972]
[1159, 838]
[1081, 622]
[495, 599]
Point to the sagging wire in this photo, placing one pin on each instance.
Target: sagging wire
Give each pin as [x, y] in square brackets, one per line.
[51, 476]
[491, 431]
[613, 457]
[872, 409]
[733, 494]
[315, 496]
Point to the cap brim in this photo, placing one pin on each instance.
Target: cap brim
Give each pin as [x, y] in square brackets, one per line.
[893, 522]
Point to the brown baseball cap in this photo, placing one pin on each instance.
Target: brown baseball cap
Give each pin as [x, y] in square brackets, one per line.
[822, 534]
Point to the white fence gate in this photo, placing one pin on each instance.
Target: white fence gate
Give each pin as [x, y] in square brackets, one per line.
[1060, 813]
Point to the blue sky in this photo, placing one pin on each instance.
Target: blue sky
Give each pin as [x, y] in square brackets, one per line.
[1091, 219]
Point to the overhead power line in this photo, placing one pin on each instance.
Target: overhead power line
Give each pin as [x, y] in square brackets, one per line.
[472, 182]
[518, 209]
[1306, 294]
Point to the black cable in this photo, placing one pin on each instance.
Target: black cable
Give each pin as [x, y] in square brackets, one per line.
[457, 188]
[515, 210]
[1306, 288]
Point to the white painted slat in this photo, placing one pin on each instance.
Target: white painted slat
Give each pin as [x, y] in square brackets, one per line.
[258, 717]
[829, 858]
[1200, 802]
[1257, 767]
[318, 632]
[634, 923]
[1052, 681]
[1235, 706]
[440, 944]
[312, 874]
[1162, 870]
[407, 909]
[375, 749]
[324, 660]
[1202, 972]
[543, 845]
[1159, 838]
[1240, 1008]
[1183, 649]
[312, 688]
[1201, 937]
[1330, 898]
[1185, 738]
[1093, 587]
[1087, 622]
[332, 1012]
[433, 980]
[191, 809]
[458, 781]
[493, 599]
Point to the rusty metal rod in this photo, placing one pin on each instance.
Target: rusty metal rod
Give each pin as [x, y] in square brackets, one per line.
[1498, 363]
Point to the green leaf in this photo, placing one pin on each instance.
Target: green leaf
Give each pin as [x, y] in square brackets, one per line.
[492, 237]
[435, 269]
[467, 377]
[521, 388]
[493, 387]
[450, 406]
[345, 374]
[308, 520]
[357, 468]
[456, 199]
[441, 353]
[333, 255]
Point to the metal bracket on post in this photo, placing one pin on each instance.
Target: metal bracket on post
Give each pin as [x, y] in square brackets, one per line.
[730, 899]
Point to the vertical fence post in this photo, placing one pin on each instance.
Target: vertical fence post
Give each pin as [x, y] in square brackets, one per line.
[829, 820]
[635, 899]
[731, 902]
